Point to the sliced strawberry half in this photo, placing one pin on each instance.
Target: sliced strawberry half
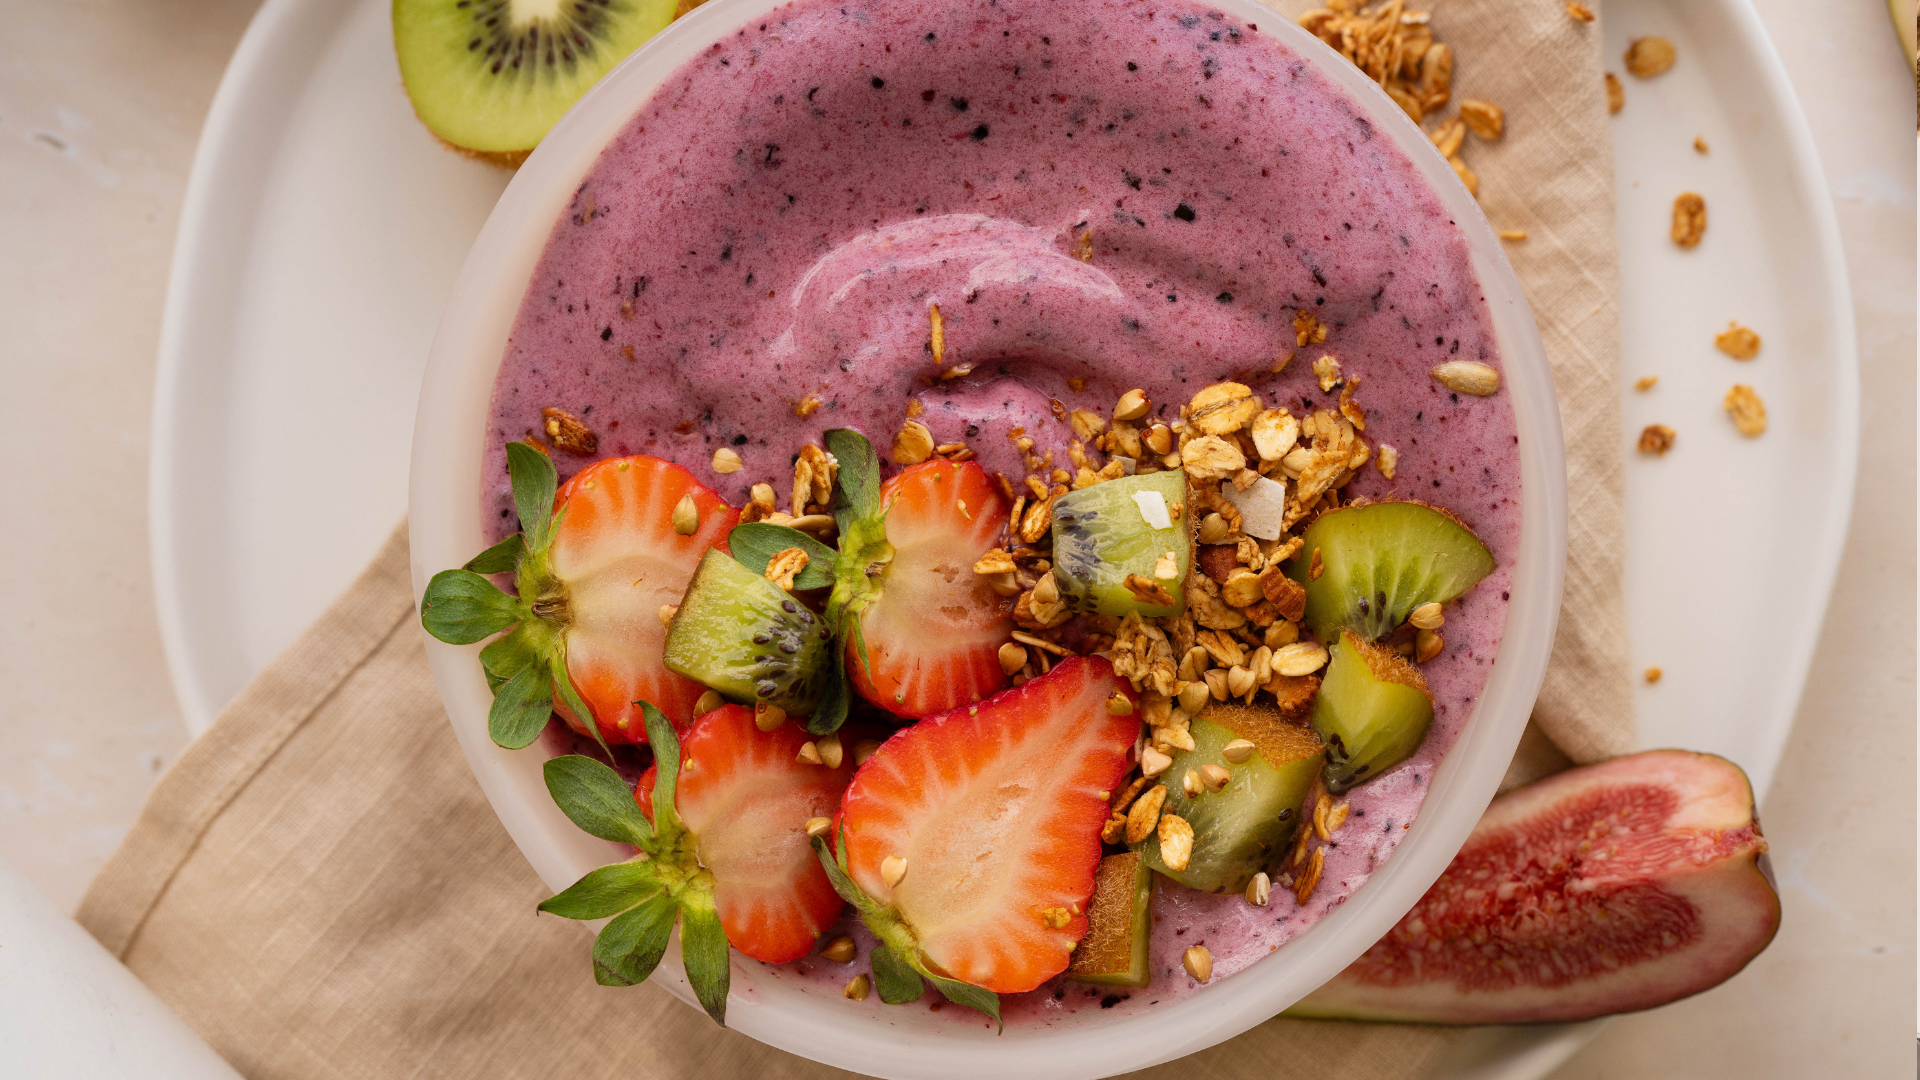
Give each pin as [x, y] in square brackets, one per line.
[745, 797]
[934, 628]
[595, 562]
[996, 809]
[616, 552]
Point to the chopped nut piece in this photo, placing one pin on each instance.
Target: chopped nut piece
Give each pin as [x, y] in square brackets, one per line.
[1579, 12]
[1307, 328]
[1210, 457]
[995, 561]
[1145, 812]
[1132, 405]
[1483, 118]
[1127, 794]
[807, 406]
[1467, 377]
[813, 475]
[1086, 425]
[809, 754]
[913, 445]
[1738, 342]
[1656, 439]
[1310, 877]
[1198, 962]
[893, 870]
[1176, 841]
[709, 701]
[1190, 783]
[1427, 616]
[1166, 567]
[1513, 234]
[1337, 817]
[1653, 674]
[1387, 460]
[1616, 93]
[686, 516]
[1119, 705]
[569, 432]
[1115, 830]
[840, 949]
[725, 461]
[1222, 408]
[667, 612]
[1012, 658]
[1427, 645]
[1649, 56]
[1327, 370]
[1299, 658]
[1645, 382]
[1214, 777]
[1748, 411]
[1293, 694]
[1260, 890]
[1284, 593]
[1281, 633]
[1242, 589]
[768, 717]
[1148, 591]
[1320, 807]
[819, 826]
[1699, 144]
[858, 987]
[1153, 762]
[1315, 567]
[785, 566]
[1689, 219]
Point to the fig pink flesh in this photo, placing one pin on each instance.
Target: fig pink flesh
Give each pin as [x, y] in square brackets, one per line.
[1609, 888]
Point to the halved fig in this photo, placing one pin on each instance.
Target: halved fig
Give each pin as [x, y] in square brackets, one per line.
[1604, 889]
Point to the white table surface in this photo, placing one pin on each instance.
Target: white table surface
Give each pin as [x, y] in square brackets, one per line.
[100, 105]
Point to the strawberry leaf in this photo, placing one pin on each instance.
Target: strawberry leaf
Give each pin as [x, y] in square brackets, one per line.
[835, 699]
[534, 483]
[520, 709]
[595, 798]
[630, 947]
[605, 892]
[896, 980]
[666, 761]
[837, 877]
[977, 998]
[857, 494]
[501, 558]
[756, 543]
[503, 658]
[460, 607]
[703, 949]
[579, 708]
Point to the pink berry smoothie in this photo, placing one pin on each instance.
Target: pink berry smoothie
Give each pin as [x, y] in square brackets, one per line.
[778, 220]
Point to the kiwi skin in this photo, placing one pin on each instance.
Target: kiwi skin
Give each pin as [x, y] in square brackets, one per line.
[1373, 710]
[1119, 925]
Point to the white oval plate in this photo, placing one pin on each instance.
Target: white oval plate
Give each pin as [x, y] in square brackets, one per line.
[323, 229]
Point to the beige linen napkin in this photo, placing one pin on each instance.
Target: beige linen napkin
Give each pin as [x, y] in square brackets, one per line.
[319, 888]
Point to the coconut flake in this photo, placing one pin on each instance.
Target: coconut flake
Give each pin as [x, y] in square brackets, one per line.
[1263, 507]
[1153, 507]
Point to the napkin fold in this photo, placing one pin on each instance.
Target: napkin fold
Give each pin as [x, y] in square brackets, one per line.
[319, 888]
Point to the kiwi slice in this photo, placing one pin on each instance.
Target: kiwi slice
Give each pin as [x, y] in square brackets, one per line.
[744, 636]
[1373, 710]
[1104, 534]
[1380, 561]
[491, 76]
[1119, 924]
[1244, 827]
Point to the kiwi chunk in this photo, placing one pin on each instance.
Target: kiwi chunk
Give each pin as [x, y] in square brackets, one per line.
[492, 76]
[1379, 562]
[1119, 924]
[743, 636]
[1244, 827]
[1103, 535]
[1373, 711]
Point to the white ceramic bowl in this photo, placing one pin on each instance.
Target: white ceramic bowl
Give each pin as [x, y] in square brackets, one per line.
[445, 513]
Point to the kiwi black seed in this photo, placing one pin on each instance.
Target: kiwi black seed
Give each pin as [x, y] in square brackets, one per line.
[490, 77]
[743, 636]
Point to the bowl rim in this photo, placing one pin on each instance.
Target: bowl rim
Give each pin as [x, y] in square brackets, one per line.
[446, 529]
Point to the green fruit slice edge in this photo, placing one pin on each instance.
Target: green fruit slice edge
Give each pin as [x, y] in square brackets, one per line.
[1380, 561]
[742, 635]
[1119, 925]
[1373, 710]
[1244, 827]
[498, 89]
[1101, 535]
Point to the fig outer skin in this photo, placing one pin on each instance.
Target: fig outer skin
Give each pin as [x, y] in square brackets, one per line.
[1710, 859]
